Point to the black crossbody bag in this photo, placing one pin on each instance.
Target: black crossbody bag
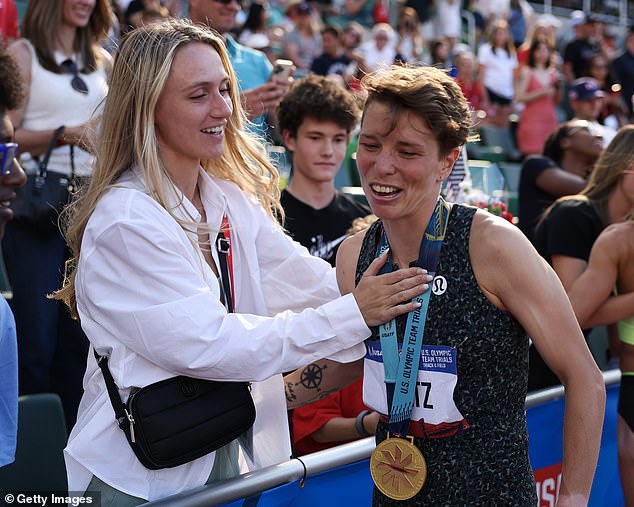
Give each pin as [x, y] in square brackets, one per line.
[177, 420]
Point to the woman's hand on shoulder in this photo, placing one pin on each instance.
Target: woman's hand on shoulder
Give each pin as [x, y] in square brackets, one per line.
[381, 298]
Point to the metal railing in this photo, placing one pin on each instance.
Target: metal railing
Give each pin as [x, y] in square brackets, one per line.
[295, 469]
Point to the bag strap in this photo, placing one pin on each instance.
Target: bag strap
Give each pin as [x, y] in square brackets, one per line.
[121, 414]
[51, 146]
[223, 247]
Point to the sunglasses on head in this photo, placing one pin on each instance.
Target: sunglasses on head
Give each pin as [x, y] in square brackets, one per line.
[7, 155]
[78, 84]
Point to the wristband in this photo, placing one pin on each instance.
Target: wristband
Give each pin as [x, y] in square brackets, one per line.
[358, 423]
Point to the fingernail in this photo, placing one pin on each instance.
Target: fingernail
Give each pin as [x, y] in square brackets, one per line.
[424, 271]
[425, 286]
[417, 304]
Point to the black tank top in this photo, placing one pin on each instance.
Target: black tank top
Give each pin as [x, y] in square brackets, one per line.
[486, 463]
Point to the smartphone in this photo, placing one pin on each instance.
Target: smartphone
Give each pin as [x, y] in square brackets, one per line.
[282, 69]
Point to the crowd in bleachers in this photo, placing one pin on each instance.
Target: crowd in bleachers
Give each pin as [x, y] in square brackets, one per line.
[558, 89]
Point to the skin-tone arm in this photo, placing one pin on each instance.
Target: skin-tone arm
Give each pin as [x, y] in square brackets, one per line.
[379, 298]
[521, 89]
[522, 282]
[339, 429]
[590, 293]
[611, 310]
[558, 182]
[36, 142]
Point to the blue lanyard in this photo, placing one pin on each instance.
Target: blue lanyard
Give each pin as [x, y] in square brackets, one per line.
[401, 372]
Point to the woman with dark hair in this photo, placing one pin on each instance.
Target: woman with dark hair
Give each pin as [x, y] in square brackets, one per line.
[567, 232]
[253, 32]
[538, 89]
[569, 153]
[64, 72]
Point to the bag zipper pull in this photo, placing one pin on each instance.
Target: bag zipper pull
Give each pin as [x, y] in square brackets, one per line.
[131, 421]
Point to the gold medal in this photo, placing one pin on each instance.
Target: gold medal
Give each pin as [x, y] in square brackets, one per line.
[398, 468]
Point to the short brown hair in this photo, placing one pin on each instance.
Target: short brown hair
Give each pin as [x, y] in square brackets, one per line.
[428, 92]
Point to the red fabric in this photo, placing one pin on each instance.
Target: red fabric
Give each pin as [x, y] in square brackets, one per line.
[8, 20]
[379, 12]
[473, 92]
[347, 402]
[522, 56]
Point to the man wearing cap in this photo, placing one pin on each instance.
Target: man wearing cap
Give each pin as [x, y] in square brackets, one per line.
[586, 101]
[260, 95]
[623, 70]
[580, 50]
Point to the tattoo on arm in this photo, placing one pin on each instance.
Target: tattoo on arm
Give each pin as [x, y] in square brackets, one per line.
[290, 392]
[311, 376]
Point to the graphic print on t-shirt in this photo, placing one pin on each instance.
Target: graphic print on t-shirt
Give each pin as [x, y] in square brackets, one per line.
[324, 249]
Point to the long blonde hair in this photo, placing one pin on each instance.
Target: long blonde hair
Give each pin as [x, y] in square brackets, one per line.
[127, 137]
[41, 23]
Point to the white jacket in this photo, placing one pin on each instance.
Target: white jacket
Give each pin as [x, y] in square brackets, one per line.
[148, 300]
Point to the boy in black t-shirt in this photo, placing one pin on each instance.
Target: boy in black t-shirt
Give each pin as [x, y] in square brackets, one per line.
[315, 119]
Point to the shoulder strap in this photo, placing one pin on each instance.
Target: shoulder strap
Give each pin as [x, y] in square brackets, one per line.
[223, 247]
[51, 146]
[113, 392]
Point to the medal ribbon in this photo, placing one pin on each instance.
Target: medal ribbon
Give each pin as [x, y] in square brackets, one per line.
[401, 372]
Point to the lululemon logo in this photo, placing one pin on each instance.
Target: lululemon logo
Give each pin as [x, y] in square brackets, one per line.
[439, 285]
[188, 388]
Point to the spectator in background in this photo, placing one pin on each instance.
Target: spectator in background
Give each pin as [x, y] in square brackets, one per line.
[623, 70]
[334, 59]
[538, 89]
[544, 30]
[439, 55]
[9, 30]
[253, 33]
[614, 114]
[586, 101]
[11, 177]
[303, 41]
[260, 95]
[582, 47]
[497, 62]
[569, 154]
[519, 19]
[448, 22]
[359, 11]
[351, 42]
[611, 270]
[380, 50]
[472, 89]
[316, 118]
[410, 46]
[566, 233]
[64, 85]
